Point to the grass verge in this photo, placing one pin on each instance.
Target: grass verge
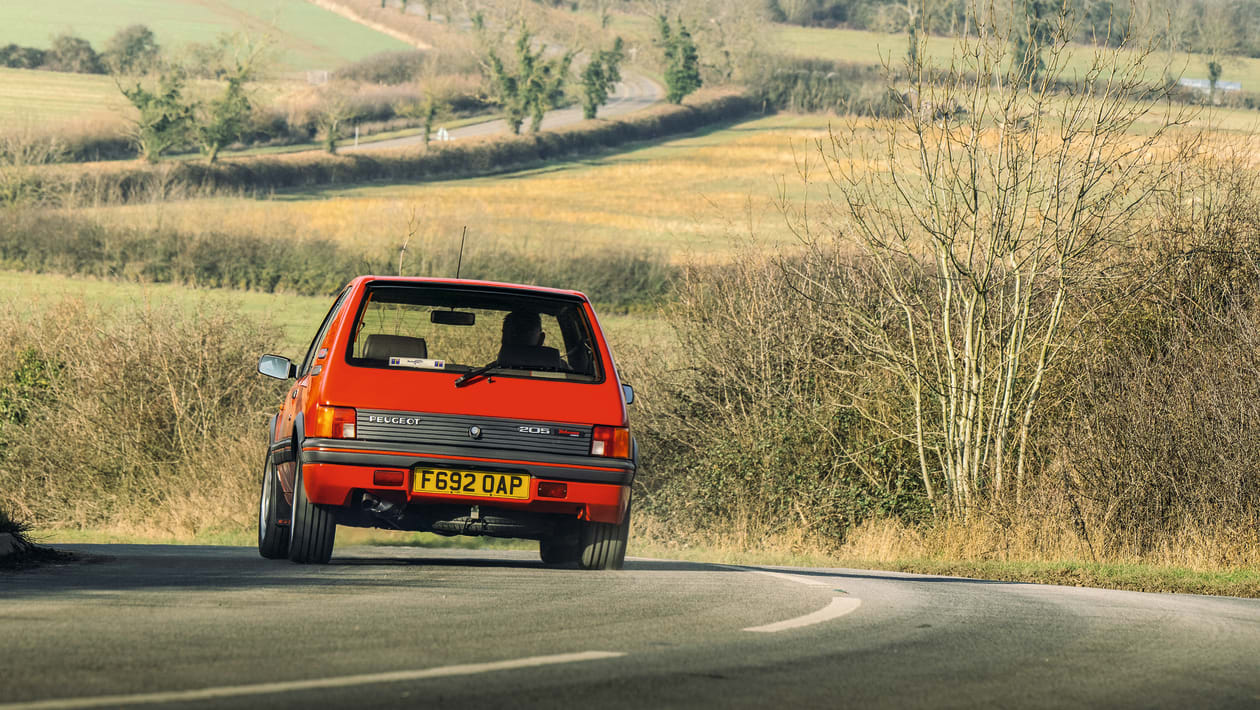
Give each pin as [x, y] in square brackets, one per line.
[1131, 577]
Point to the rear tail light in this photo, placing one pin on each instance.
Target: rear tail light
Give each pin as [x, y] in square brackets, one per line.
[611, 441]
[334, 422]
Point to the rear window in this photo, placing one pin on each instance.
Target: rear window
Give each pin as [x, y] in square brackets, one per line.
[442, 328]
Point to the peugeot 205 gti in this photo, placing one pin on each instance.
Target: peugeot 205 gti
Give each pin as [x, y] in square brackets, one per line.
[456, 407]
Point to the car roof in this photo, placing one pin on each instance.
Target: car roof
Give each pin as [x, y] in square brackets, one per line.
[468, 282]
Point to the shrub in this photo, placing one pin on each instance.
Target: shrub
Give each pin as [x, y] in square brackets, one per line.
[1156, 447]
[49, 243]
[149, 415]
[1145, 451]
[131, 50]
[755, 423]
[18, 57]
[816, 85]
[32, 241]
[73, 54]
[390, 68]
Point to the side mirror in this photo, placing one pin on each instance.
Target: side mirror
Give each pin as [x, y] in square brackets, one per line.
[277, 367]
[628, 393]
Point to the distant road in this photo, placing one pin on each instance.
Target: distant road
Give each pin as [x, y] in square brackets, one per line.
[633, 94]
[202, 627]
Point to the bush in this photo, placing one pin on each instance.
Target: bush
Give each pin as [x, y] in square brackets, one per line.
[752, 426]
[388, 68]
[40, 242]
[49, 243]
[131, 50]
[73, 54]
[1146, 452]
[150, 416]
[1158, 443]
[18, 57]
[817, 85]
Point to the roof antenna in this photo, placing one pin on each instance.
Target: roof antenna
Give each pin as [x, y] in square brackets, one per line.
[460, 264]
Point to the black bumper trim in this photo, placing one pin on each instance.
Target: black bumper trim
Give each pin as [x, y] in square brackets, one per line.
[561, 468]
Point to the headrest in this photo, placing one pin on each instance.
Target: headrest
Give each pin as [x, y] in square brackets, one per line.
[527, 356]
[380, 346]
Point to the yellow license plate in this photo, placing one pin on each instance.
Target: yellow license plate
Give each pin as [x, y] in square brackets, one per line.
[482, 484]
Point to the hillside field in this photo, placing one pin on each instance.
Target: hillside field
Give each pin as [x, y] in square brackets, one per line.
[44, 100]
[695, 198]
[307, 37]
[865, 47]
[691, 197]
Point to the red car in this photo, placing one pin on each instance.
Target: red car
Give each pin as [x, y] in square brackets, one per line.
[457, 407]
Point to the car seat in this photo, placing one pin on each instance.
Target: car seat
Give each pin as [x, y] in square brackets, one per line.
[380, 346]
[529, 356]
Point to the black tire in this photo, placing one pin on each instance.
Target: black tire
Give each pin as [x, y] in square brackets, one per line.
[273, 538]
[559, 550]
[313, 527]
[603, 545]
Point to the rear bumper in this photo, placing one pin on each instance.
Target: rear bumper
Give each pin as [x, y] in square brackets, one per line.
[334, 469]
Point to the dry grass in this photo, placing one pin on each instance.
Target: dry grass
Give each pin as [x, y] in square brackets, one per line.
[886, 544]
[685, 196]
[689, 198]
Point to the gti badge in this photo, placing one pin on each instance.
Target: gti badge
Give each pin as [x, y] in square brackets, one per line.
[474, 432]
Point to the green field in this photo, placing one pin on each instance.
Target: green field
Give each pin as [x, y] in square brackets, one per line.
[307, 37]
[42, 99]
[863, 47]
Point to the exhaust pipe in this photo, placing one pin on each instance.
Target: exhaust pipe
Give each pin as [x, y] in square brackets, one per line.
[386, 510]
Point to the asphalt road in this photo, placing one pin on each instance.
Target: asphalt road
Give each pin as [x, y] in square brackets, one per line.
[195, 627]
[634, 93]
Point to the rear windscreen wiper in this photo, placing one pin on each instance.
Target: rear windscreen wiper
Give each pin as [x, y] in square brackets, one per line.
[472, 374]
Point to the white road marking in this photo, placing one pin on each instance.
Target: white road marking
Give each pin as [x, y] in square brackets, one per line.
[838, 607]
[233, 691]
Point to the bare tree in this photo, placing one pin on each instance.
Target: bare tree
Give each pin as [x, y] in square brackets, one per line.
[980, 209]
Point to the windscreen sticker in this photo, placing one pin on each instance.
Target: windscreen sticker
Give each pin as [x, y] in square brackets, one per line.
[418, 362]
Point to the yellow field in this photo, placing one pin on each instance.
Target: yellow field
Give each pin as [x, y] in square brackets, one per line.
[693, 196]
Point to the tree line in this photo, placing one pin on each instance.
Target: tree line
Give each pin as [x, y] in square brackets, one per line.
[130, 49]
[1209, 27]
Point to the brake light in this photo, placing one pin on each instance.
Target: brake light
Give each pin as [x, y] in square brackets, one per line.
[334, 422]
[611, 441]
